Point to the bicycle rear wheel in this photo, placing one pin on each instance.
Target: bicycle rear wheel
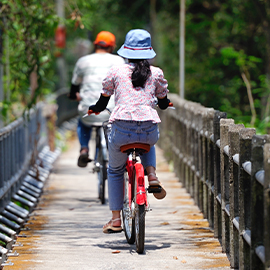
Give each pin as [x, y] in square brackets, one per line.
[127, 215]
[139, 222]
[102, 176]
[101, 164]
[140, 228]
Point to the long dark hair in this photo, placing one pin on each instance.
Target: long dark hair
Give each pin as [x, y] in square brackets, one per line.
[140, 73]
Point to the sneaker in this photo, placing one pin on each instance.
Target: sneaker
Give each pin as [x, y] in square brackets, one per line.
[83, 159]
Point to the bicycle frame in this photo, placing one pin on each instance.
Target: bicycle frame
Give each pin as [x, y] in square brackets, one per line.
[132, 166]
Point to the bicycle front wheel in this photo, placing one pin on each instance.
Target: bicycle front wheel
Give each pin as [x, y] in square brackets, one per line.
[128, 219]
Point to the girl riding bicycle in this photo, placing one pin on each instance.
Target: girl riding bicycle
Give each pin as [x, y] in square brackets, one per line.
[136, 86]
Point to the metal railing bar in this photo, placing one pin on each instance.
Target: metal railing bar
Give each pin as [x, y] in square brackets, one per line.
[226, 150]
[227, 209]
[218, 197]
[260, 251]
[247, 167]
[259, 175]
[236, 223]
[247, 236]
[236, 159]
[4, 190]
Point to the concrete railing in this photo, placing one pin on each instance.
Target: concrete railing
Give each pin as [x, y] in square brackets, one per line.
[226, 169]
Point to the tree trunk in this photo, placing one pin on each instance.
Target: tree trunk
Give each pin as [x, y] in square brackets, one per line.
[250, 98]
[263, 9]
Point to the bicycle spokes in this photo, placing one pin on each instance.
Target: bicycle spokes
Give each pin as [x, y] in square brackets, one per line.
[128, 213]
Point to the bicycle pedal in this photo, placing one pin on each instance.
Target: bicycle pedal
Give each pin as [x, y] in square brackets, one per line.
[154, 189]
[96, 170]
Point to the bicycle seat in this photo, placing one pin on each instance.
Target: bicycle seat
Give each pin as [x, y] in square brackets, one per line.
[141, 147]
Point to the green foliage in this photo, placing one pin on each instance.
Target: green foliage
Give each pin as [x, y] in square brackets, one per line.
[242, 60]
[28, 35]
[121, 16]
[224, 40]
[115, 16]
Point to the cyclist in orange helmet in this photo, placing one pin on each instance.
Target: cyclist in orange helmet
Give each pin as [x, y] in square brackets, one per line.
[86, 85]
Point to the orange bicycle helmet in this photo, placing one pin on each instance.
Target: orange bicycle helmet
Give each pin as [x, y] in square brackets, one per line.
[105, 39]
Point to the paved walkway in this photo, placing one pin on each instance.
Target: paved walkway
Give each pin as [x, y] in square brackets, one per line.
[65, 231]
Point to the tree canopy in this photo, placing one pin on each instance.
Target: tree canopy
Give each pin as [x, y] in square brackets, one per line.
[227, 56]
[27, 30]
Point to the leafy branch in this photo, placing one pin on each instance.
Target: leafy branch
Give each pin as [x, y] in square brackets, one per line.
[245, 63]
[29, 26]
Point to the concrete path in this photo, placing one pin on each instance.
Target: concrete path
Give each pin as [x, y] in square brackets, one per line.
[65, 231]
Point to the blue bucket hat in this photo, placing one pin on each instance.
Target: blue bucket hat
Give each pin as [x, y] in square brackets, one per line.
[137, 45]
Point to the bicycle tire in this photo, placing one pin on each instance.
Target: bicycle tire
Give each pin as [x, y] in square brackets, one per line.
[139, 221]
[102, 178]
[102, 163]
[140, 228]
[128, 219]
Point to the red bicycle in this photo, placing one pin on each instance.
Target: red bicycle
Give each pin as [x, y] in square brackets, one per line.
[135, 203]
[135, 195]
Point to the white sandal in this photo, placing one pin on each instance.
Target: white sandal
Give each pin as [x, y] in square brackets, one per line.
[109, 228]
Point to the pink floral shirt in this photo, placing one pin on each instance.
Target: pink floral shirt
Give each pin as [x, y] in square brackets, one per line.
[135, 104]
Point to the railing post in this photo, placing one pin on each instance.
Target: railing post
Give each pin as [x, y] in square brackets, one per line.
[217, 205]
[185, 146]
[244, 196]
[174, 130]
[182, 147]
[266, 215]
[208, 164]
[224, 182]
[196, 166]
[202, 197]
[2, 160]
[234, 148]
[257, 202]
[191, 146]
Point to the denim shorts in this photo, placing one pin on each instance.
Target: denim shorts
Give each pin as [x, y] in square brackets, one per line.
[126, 132]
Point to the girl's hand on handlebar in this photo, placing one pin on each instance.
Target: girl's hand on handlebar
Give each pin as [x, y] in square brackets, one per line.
[163, 103]
[91, 111]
